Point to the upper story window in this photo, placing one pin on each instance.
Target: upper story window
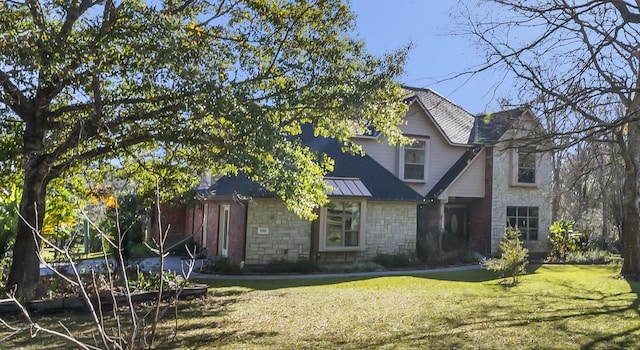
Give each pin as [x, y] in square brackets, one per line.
[341, 225]
[525, 166]
[413, 161]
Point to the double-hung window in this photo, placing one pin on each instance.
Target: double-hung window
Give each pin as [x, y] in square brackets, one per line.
[526, 166]
[524, 219]
[341, 225]
[413, 161]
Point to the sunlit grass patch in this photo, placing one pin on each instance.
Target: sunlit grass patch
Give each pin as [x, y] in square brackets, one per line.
[554, 307]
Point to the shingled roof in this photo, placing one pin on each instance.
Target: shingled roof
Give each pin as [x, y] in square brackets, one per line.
[349, 170]
[454, 122]
[490, 127]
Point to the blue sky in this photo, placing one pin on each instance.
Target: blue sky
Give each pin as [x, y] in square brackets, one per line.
[437, 52]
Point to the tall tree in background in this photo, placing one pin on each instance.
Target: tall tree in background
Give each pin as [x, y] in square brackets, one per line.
[584, 57]
[174, 88]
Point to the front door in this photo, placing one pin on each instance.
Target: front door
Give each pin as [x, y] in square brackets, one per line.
[456, 222]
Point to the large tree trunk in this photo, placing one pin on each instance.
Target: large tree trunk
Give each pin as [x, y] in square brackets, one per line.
[631, 222]
[25, 268]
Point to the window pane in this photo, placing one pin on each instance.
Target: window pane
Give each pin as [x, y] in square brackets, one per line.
[533, 211]
[526, 175]
[414, 172]
[511, 211]
[522, 211]
[334, 236]
[533, 223]
[512, 222]
[533, 235]
[414, 156]
[343, 224]
[351, 239]
[526, 160]
[526, 166]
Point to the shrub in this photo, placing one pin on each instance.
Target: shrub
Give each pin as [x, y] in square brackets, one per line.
[565, 239]
[356, 266]
[222, 266]
[591, 256]
[151, 281]
[513, 259]
[472, 257]
[390, 261]
[280, 265]
[139, 250]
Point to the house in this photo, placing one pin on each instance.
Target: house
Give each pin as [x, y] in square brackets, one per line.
[466, 175]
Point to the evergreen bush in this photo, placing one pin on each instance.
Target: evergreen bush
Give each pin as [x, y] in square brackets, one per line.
[513, 259]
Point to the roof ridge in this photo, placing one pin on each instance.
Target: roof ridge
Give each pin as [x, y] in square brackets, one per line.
[426, 89]
[519, 108]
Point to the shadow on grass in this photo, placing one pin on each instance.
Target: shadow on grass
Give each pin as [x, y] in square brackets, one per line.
[627, 338]
[563, 308]
[288, 281]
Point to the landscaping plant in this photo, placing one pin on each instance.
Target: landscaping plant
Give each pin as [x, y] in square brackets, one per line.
[564, 239]
[513, 258]
[125, 325]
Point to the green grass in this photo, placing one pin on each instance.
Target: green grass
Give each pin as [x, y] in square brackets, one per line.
[554, 307]
[77, 253]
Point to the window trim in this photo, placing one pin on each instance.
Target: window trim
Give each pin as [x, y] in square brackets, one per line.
[224, 229]
[524, 232]
[516, 167]
[426, 161]
[323, 227]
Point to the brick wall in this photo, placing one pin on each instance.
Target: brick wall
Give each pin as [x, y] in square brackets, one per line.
[480, 213]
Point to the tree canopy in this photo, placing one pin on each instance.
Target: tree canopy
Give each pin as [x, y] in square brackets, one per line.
[578, 60]
[172, 89]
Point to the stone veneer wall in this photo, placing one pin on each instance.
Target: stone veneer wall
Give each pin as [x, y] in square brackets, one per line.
[289, 236]
[504, 194]
[390, 228]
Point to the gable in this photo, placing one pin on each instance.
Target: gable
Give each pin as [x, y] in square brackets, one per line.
[453, 122]
[471, 182]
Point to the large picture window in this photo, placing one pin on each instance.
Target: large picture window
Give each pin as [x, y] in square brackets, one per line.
[524, 219]
[414, 161]
[526, 173]
[342, 225]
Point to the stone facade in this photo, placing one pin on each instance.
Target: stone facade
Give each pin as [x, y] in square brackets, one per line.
[390, 228]
[505, 194]
[287, 235]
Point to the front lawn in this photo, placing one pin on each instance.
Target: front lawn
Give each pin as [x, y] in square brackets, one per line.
[555, 307]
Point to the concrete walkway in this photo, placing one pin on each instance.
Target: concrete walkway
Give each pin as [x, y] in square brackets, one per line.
[180, 265]
[337, 275]
[171, 263]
